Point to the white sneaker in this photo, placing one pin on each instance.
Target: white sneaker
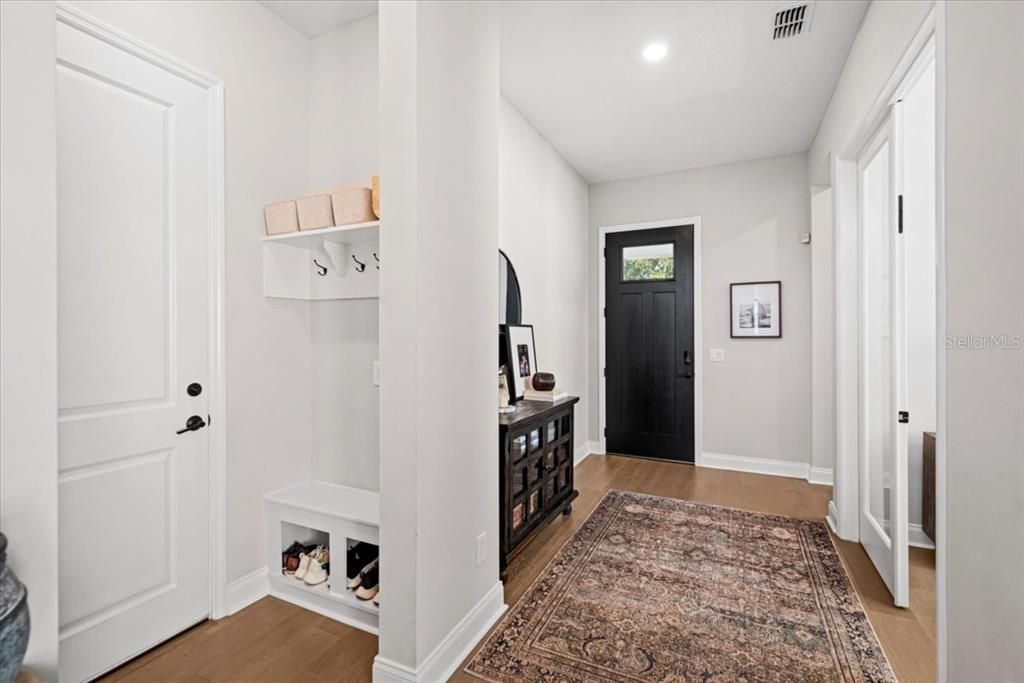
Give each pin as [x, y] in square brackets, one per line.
[304, 559]
[315, 574]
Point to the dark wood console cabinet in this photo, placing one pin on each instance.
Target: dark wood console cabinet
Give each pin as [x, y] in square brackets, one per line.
[535, 450]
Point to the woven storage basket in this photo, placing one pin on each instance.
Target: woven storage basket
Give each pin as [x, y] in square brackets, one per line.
[281, 217]
[376, 196]
[353, 205]
[315, 212]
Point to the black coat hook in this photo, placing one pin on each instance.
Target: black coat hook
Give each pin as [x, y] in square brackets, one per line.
[360, 266]
[377, 259]
[321, 270]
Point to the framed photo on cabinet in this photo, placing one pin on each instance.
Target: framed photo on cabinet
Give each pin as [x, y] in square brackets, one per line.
[522, 359]
[755, 309]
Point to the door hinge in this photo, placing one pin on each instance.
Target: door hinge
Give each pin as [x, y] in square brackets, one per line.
[899, 212]
[606, 431]
[605, 312]
[605, 252]
[604, 372]
[904, 417]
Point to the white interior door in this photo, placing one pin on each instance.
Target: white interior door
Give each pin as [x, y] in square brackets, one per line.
[133, 230]
[883, 375]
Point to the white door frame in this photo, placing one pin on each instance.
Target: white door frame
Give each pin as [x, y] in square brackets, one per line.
[698, 392]
[928, 42]
[215, 433]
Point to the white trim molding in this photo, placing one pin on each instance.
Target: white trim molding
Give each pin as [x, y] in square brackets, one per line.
[821, 476]
[442, 662]
[917, 538]
[698, 354]
[832, 517]
[742, 463]
[246, 590]
[216, 381]
[588, 448]
[772, 467]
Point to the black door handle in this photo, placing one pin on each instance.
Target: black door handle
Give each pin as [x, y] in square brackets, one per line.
[687, 362]
[194, 423]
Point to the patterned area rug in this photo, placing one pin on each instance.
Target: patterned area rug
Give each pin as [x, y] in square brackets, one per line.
[656, 589]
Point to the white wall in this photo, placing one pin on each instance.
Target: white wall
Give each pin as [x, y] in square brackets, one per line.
[264, 66]
[343, 150]
[758, 402]
[543, 228]
[823, 399]
[884, 35]
[439, 477]
[984, 255]
[28, 316]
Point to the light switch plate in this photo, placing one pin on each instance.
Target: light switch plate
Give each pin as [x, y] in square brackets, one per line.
[376, 373]
[717, 355]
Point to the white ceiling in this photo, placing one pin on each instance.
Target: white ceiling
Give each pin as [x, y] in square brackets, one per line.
[726, 91]
[311, 18]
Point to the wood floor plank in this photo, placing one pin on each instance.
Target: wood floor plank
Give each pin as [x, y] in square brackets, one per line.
[272, 641]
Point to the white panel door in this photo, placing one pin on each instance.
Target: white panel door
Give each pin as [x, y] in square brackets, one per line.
[883, 376]
[133, 232]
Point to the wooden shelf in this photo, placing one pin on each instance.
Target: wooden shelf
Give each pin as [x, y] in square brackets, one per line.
[339, 234]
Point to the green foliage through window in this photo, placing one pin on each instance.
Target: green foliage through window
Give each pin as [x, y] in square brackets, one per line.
[648, 268]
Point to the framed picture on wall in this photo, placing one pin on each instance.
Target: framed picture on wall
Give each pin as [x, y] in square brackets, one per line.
[756, 309]
[522, 358]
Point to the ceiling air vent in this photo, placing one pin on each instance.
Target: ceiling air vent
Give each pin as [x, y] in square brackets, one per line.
[792, 20]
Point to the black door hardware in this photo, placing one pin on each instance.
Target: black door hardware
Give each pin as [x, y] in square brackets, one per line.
[904, 417]
[194, 389]
[193, 424]
[687, 374]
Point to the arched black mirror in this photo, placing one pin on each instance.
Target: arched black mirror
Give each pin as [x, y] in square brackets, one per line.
[510, 303]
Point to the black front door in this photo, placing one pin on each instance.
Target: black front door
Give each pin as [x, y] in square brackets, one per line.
[650, 363]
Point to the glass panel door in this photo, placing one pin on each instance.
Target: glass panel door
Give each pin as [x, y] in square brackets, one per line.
[883, 437]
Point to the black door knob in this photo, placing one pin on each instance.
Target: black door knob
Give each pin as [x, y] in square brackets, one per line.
[193, 424]
[194, 389]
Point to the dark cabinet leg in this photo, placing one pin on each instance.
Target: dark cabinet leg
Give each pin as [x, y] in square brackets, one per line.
[567, 510]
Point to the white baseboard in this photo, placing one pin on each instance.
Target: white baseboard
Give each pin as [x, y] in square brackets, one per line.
[918, 538]
[386, 671]
[442, 662]
[742, 463]
[244, 591]
[588, 448]
[769, 466]
[820, 475]
[832, 517]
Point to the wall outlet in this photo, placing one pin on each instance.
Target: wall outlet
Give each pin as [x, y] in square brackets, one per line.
[717, 355]
[376, 373]
[481, 548]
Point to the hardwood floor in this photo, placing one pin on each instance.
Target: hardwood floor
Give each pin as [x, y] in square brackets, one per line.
[275, 641]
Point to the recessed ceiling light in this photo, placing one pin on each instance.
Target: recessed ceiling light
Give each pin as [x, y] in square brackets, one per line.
[655, 52]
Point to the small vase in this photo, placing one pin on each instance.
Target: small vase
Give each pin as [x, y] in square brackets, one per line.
[14, 621]
[543, 381]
